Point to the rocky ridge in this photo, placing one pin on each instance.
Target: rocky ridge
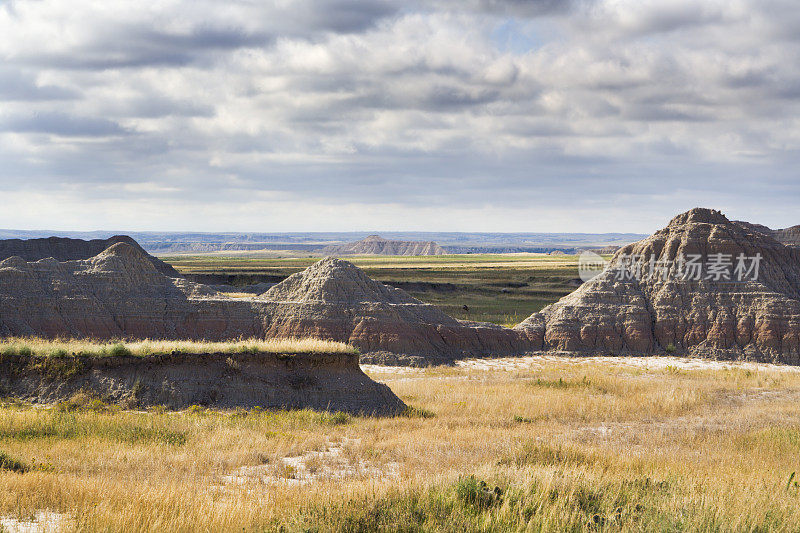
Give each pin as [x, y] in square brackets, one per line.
[788, 236]
[663, 312]
[120, 294]
[64, 249]
[377, 245]
[117, 293]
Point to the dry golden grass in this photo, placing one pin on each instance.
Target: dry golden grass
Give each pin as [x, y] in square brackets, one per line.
[38, 346]
[558, 445]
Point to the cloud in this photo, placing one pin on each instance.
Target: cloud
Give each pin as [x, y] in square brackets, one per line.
[62, 124]
[445, 105]
[19, 85]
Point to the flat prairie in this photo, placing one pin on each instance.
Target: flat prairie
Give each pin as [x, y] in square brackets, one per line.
[537, 443]
[500, 288]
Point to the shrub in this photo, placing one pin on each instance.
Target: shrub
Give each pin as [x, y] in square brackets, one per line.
[477, 494]
[335, 419]
[82, 401]
[10, 463]
[417, 412]
[119, 350]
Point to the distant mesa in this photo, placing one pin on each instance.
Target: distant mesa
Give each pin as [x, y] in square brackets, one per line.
[65, 249]
[377, 245]
[787, 236]
[605, 250]
[668, 311]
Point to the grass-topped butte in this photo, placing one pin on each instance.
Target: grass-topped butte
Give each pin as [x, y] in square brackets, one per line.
[32, 346]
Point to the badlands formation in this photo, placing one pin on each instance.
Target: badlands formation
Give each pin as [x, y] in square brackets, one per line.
[64, 249]
[377, 245]
[120, 293]
[334, 299]
[615, 313]
[788, 236]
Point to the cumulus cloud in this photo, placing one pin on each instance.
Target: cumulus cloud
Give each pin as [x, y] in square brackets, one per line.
[427, 107]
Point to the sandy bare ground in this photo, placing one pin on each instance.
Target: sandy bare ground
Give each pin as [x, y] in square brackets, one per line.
[649, 363]
[42, 522]
[333, 463]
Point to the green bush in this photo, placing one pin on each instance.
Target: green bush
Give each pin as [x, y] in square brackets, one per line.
[335, 419]
[417, 412]
[477, 494]
[119, 350]
[9, 463]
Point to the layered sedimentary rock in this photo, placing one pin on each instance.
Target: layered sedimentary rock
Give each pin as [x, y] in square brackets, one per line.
[331, 382]
[650, 300]
[63, 249]
[117, 293]
[788, 236]
[120, 294]
[377, 245]
[334, 299]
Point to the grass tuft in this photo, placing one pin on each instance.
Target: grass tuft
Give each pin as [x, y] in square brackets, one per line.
[14, 465]
[334, 419]
[417, 412]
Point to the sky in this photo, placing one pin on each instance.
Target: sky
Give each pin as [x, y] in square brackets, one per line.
[442, 115]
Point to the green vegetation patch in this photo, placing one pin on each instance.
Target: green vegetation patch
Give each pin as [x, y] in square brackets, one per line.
[14, 465]
[65, 425]
[568, 503]
[561, 383]
[784, 440]
[53, 366]
[417, 412]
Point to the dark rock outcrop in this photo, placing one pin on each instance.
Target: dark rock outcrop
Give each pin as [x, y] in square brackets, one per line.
[64, 249]
[720, 318]
[328, 382]
[377, 245]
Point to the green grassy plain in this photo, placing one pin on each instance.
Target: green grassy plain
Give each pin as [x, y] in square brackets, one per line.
[553, 444]
[500, 288]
